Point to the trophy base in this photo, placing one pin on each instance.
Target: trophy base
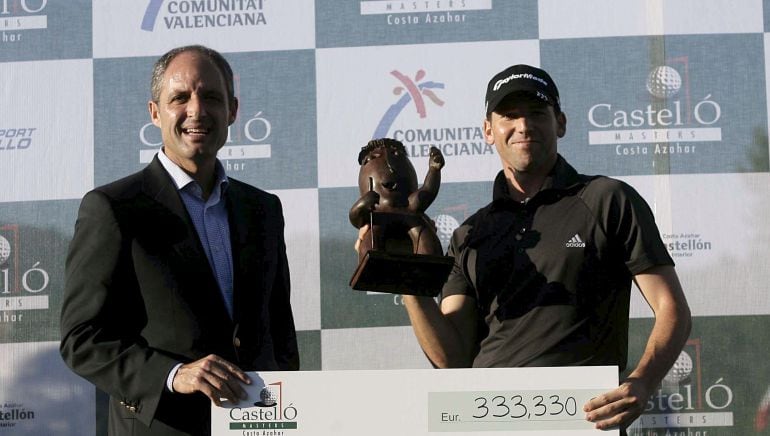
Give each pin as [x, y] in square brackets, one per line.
[411, 274]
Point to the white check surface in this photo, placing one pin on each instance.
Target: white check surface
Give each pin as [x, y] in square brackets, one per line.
[518, 401]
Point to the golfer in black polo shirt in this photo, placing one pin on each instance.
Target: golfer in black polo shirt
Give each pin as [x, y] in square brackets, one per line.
[543, 273]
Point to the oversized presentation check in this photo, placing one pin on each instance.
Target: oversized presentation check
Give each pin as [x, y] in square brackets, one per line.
[510, 401]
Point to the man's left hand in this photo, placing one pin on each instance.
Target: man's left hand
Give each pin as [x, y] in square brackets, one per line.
[618, 407]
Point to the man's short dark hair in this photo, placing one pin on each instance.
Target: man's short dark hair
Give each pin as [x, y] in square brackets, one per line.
[159, 69]
[380, 143]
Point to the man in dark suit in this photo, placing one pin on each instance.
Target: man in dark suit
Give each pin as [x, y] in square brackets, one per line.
[177, 279]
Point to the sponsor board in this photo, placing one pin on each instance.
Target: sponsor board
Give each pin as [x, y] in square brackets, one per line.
[44, 29]
[309, 344]
[603, 18]
[710, 390]
[122, 136]
[300, 212]
[376, 348]
[270, 144]
[33, 246]
[152, 27]
[341, 306]
[40, 145]
[421, 95]
[675, 108]
[40, 395]
[565, 19]
[766, 14]
[385, 22]
[709, 259]
[763, 132]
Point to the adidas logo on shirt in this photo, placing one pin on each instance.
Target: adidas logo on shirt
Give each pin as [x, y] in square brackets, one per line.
[575, 242]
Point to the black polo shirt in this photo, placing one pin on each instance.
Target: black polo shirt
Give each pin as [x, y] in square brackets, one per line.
[552, 276]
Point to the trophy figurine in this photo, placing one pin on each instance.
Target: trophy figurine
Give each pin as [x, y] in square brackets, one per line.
[401, 253]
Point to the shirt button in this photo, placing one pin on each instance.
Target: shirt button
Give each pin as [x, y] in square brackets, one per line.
[520, 250]
[237, 342]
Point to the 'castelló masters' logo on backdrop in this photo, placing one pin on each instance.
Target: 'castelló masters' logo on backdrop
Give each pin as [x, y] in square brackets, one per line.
[195, 14]
[272, 415]
[400, 12]
[418, 139]
[22, 287]
[17, 16]
[675, 122]
[685, 403]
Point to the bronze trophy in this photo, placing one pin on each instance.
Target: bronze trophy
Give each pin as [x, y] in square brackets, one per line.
[401, 254]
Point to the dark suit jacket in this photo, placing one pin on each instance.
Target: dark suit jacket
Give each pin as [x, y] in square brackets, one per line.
[140, 297]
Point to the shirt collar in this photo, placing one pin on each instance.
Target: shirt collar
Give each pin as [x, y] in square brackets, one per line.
[562, 176]
[182, 179]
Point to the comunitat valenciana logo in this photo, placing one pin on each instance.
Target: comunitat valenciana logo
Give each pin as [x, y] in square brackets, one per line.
[270, 416]
[22, 287]
[418, 94]
[196, 14]
[246, 140]
[685, 400]
[423, 12]
[675, 121]
[17, 16]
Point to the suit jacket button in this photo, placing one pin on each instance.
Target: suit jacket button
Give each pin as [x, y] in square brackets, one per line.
[237, 341]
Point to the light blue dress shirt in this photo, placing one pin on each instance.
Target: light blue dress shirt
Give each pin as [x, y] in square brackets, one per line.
[210, 220]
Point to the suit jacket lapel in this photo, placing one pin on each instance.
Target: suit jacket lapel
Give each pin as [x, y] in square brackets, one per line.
[246, 223]
[159, 186]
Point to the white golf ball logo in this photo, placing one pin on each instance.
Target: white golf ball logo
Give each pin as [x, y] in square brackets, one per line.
[445, 225]
[664, 82]
[5, 250]
[681, 369]
[268, 397]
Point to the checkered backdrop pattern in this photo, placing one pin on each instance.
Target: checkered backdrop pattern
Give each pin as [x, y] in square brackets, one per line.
[670, 96]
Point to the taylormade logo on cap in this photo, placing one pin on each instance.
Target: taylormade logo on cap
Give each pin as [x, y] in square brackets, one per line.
[521, 78]
[516, 76]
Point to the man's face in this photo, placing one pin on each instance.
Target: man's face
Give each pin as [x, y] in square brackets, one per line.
[193, 111]
[524, 131]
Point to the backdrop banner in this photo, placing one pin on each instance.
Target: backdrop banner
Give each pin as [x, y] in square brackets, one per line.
[670, 96]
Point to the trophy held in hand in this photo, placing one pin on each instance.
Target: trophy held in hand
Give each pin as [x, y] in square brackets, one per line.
[401, 253]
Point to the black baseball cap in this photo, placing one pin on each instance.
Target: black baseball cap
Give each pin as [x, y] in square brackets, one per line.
[521, 78]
